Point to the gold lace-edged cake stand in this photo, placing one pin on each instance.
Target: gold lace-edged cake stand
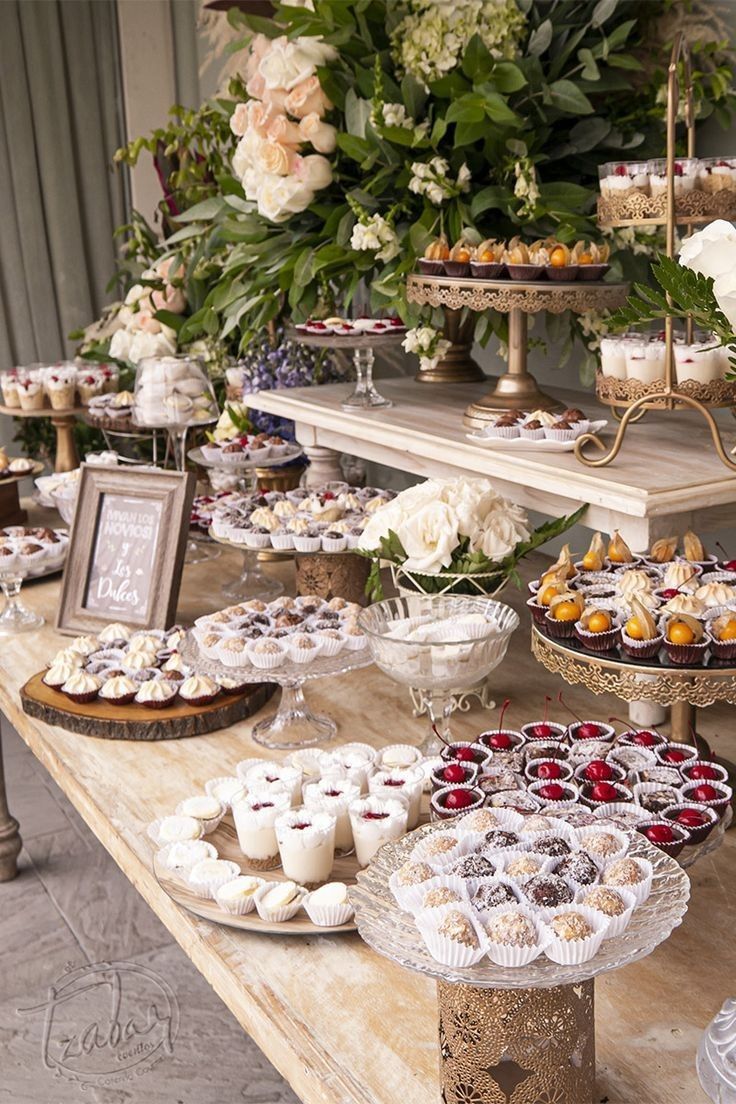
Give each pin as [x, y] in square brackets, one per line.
[516, 388]
[645, 210]
[682, 688]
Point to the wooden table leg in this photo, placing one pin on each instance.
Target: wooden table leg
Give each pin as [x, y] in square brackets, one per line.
[324, 465]
[10, 843]
[67, 458]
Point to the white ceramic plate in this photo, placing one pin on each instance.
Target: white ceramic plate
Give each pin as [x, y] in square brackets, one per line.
[519, 444]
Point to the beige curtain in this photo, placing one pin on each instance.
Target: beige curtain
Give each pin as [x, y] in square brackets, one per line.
[60, 199]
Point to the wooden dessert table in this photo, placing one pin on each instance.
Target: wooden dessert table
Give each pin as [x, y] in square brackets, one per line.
[666, 479]
[341, 1024]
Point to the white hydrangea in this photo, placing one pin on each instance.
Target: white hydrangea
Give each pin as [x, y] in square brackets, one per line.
[376, 235]
[431, 179]
[430, 39]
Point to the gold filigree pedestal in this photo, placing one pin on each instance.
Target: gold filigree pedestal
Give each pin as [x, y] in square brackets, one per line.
[516, 388]
[529, 1046]
[332, 575]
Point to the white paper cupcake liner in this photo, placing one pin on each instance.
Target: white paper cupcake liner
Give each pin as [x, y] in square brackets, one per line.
[573, 952]
[507, 954]
[328, 916]
[443, 858]
[258, 454]
[334, 544]
[211, 785]
[448, 951]
[182, 869]
[640, 890]
[154, 828]
[414, 901]
[208, 888]
[282, 541]
[595, 829]
[266, 661]
[559, 434]
[208, 823]
[307, 544]
[239, 907]
[506, 433]
[617, 925]
[278, 916]
[355, 643]
[257, 540]
[304, 655]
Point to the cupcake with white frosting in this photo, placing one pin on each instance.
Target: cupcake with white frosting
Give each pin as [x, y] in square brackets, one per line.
[81, 687]
[156, 693]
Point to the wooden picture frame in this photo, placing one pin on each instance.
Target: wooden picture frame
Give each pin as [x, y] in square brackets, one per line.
[126, 550]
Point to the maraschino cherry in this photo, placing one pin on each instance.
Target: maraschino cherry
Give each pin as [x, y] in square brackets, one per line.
[597, 770]
[465, 755]
[604, 791]
[549, 770]
[677, 755]
[454, 773]
[704, 793]
[642, 736]
[728, 565]
[458, 799]
[659, 833]
[552, 791]
[669, 592]
[543, 730]
[702, 770]
[692, 818]
[500, 740]
[586, 730]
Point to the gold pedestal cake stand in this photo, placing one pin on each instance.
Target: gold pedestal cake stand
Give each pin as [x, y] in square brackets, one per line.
[516, 388]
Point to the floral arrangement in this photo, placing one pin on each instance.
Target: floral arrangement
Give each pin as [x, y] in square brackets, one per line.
[454, 536]
[702, 284]
[139, 331]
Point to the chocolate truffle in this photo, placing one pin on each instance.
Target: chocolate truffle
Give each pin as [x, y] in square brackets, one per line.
[522, 866]
[458, 928]
[602, 844]
[493, 894]
[579, 867]
[439, 845]
[480, 820]
[571, 926]
[605, 900]
[552, 845]
[624, 872]
[414, 873]
[472, 866]
[512, 929]
[440, 895]
[547, 891]
[499, 838]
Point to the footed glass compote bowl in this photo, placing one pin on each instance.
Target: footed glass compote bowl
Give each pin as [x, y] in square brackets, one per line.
[440, 645]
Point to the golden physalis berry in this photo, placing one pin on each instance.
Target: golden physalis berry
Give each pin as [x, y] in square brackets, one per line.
[680, 633]
[599, 622]
[565, 611]
[559, 256]
[728, 632]
[591, 562]
[548, 594]
[634, 629]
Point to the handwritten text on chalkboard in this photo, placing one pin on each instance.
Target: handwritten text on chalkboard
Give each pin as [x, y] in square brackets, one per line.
[120, 577]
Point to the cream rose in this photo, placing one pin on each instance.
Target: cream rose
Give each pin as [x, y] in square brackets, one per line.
[274, 158]
[288, 64]
[307, 98]
[429, 536]
[259, 47]
[712, 251]
[239, 120]
[389, 517]
[321, 135]
[280, 129]
[171, 299]
[120, 344]
[256, 87]
[500, 531]
[147, 344]
[724, 289]
[315, 171]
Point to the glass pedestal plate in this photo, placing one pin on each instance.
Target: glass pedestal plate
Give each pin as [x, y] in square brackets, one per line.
[525, 1034]
[294, 725]
[365, 396]
[251, 583]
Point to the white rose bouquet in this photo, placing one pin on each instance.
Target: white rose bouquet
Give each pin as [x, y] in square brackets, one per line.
[456, 536]
[702, 283]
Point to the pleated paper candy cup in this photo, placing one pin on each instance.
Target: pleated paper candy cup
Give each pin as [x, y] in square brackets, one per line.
[575, 951]
[239, 904]
[285, 912]
[641, 889]
[427, 849]
[181, 857]
[327, 916]
[617, 925]
[512, 955]
[206, 877]
[507, 859]
[582, 835]
[157, 830]
[226, 789]
[448, 951]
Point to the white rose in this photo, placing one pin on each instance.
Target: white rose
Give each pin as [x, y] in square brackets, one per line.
[472, 501]
[274, 158]
[421, 494]
[724, 289]
[282, 196]
[246, 153]
[712, 251]
[387, 517]
[500, 531]
[120, 345]
[289, 63]
[139, 295]
[429, 536]
[151, 345]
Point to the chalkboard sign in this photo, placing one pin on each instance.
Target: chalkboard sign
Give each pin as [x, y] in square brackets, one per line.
[127, 548]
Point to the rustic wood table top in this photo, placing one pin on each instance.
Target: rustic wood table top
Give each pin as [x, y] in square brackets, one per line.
[343, 1025]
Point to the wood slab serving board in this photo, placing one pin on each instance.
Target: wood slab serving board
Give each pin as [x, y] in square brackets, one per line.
[138, 722]
[225, 839]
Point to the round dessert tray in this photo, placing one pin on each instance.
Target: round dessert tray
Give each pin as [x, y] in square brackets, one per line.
[225, 840]
[43, 412]
[294, 451]
[15, 477]
[138, 722]
[393, 933]
[66, 458]
[691, 207]
[519, 444]
[293, 725]
[251, 583]
[365, 340]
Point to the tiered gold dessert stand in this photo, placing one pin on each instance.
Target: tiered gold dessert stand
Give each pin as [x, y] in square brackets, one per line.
[517, 387]
[66, 457]
[630, 399]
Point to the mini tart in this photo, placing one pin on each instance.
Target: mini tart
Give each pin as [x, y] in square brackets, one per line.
[198, 690]
[119, 690]
[722, 649]
[81, 687]
[691, 654]
[601, 640]
[156, 693]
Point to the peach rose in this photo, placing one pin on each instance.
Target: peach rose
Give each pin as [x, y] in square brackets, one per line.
[146, 322]
[170, 299]
[259, 47]
[163, 269]
[282, 130]
[307, 99]
[274, 158]
[315, 171]
[256, 86]
[239, 120]
[274, 98]
[321, 135]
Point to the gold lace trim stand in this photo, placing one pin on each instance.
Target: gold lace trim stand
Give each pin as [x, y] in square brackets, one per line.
[666, 686]
[507, 295]
[618, 392]
[532, 1046]
[636, 209]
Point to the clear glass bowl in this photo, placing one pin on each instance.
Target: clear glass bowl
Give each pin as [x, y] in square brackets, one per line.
[438, 669]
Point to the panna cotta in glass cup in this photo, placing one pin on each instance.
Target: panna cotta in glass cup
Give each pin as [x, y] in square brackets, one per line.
[255, 819]
[352, 761]
[407, 783]
[375, 821]
[267, 774]
[306, 839]
[334, 795]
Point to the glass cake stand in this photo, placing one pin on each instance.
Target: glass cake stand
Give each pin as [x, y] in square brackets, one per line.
[365, 396]
[442, 671]
[16, 617]
[501, 1026]
[251, 583]
[293, 725]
